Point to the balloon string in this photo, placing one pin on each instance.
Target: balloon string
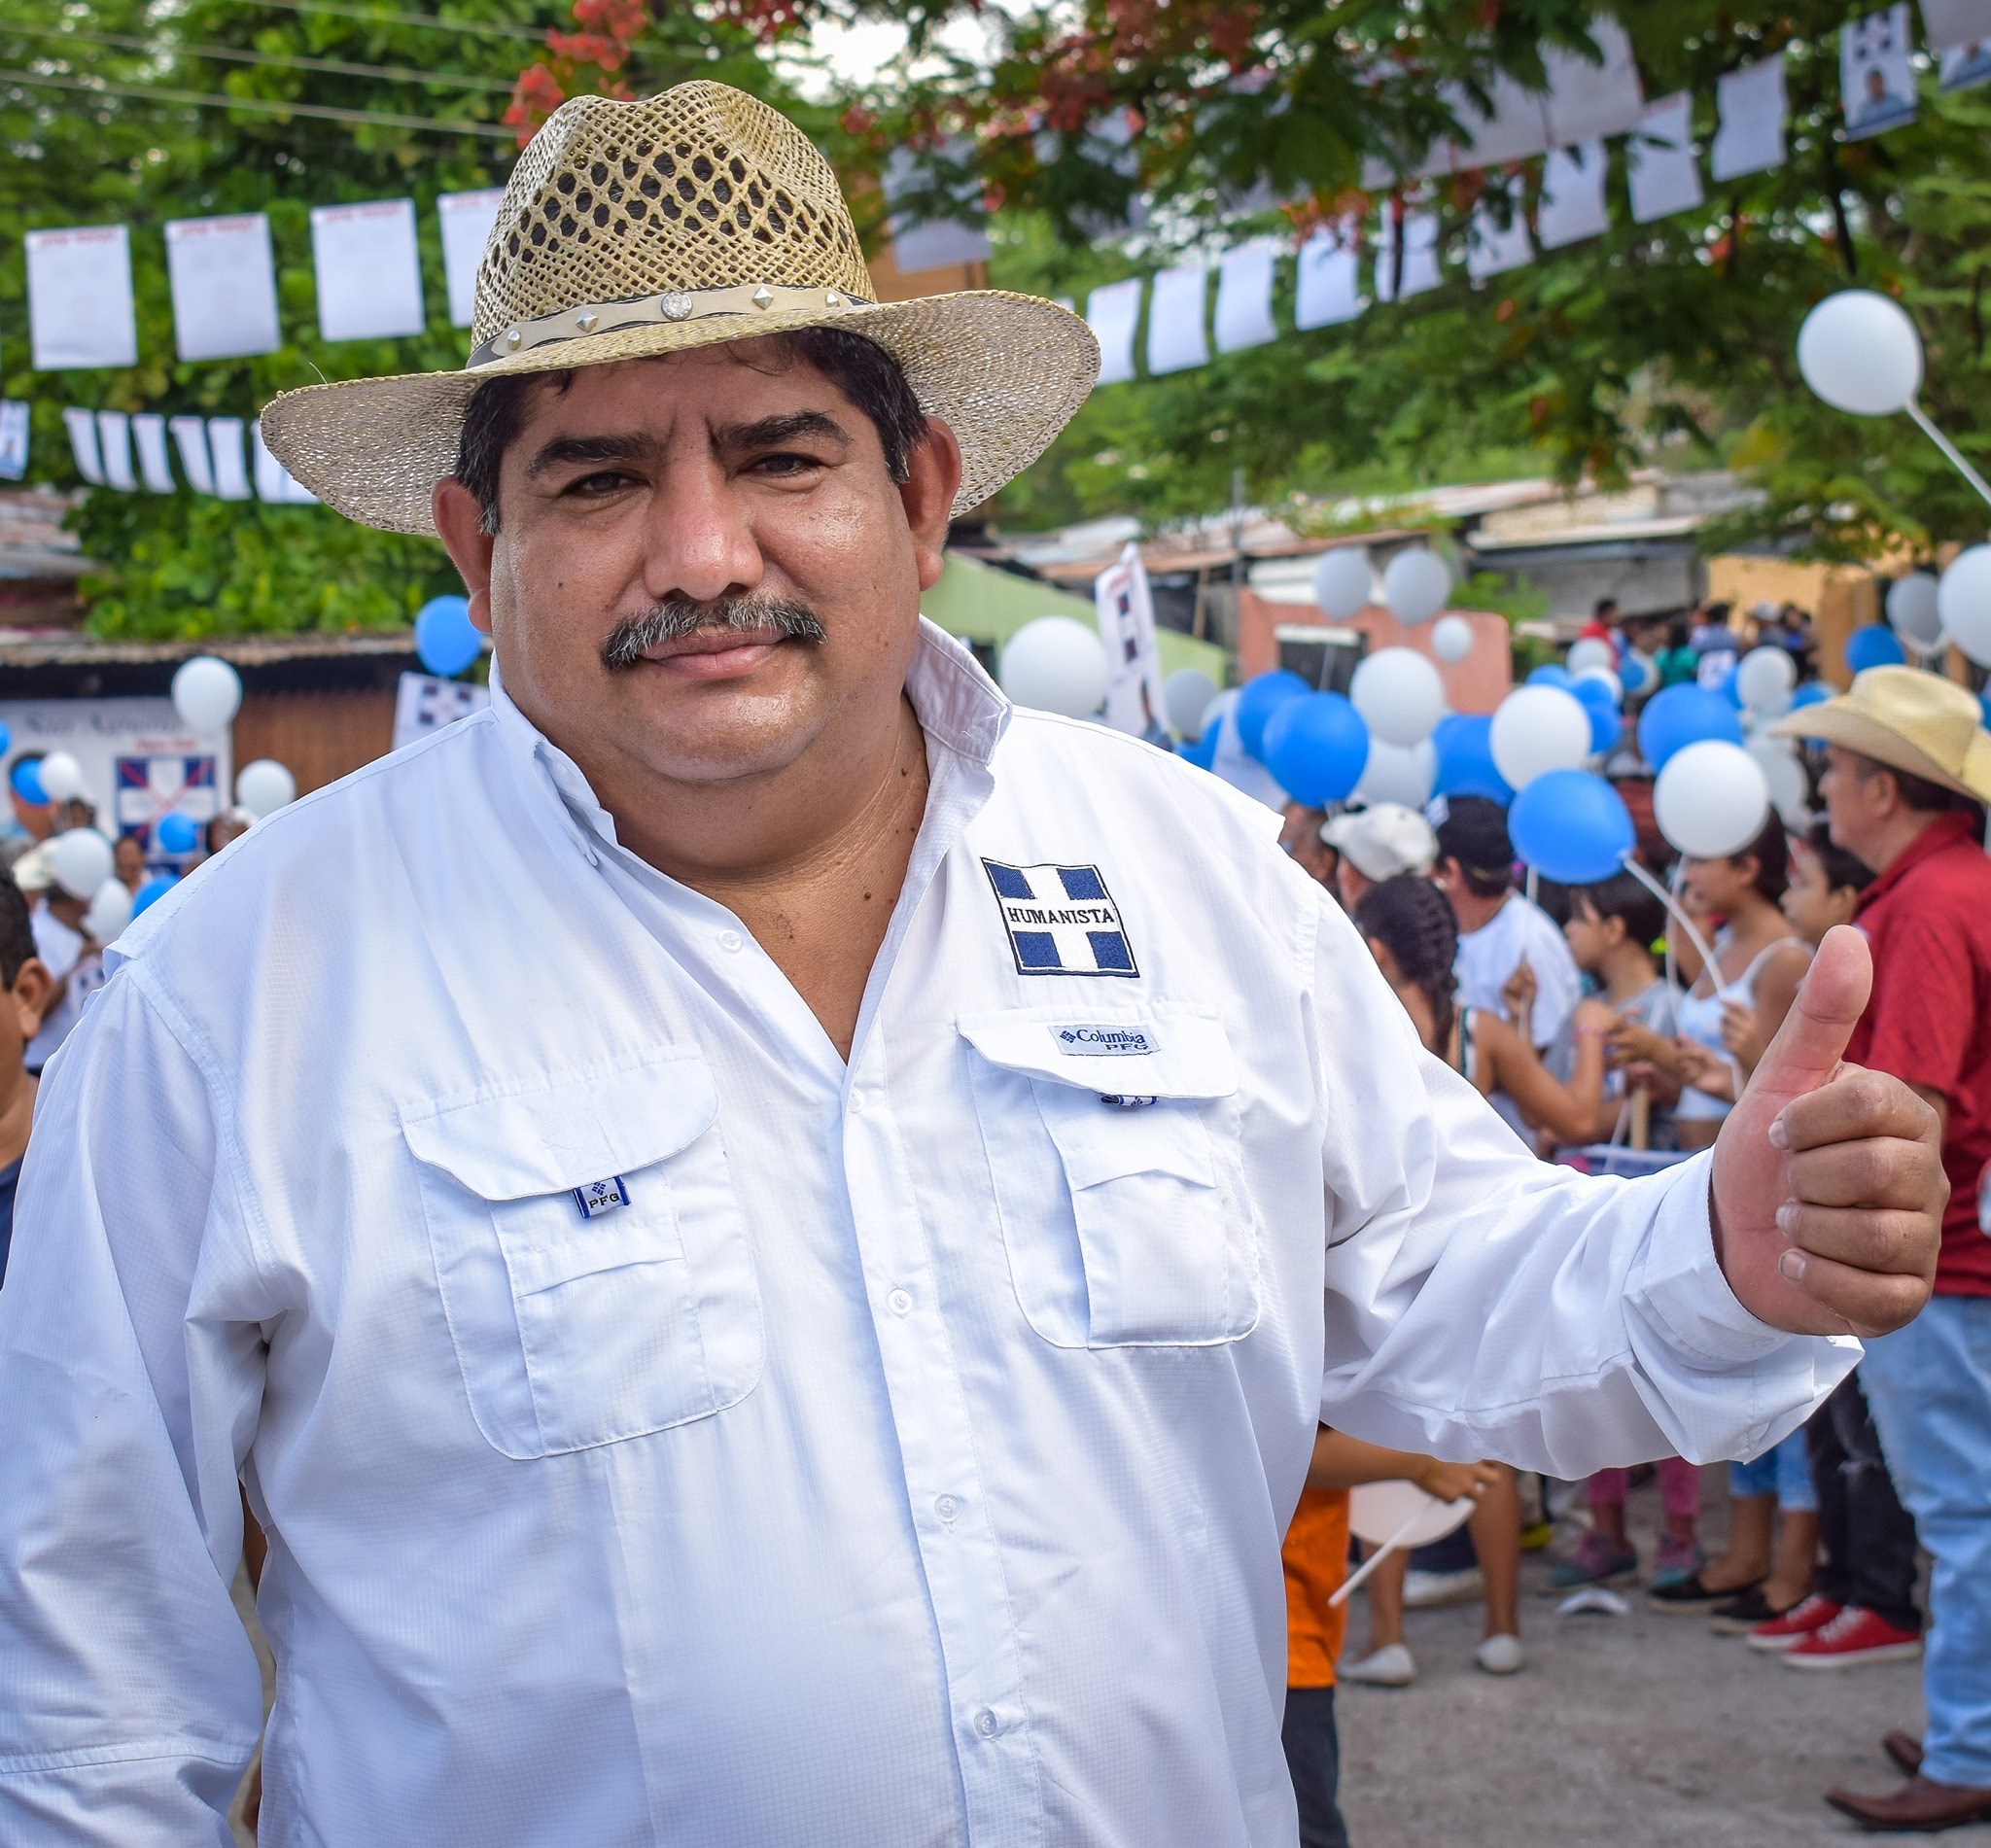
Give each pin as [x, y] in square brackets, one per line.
[1948, 448]
[1675, 910]
[1375, 1560]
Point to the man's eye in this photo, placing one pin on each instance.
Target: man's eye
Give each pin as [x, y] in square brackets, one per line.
[602, 481]
[786, 463]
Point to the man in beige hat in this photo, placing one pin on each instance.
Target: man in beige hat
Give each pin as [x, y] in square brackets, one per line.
[767, 1236]
[1908, 773]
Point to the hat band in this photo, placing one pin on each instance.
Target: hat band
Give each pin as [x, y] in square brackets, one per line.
[673, 305]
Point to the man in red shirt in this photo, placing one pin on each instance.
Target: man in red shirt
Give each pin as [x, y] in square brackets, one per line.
[1908, 772]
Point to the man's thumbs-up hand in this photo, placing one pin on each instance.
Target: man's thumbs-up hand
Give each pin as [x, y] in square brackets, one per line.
[1827, 1191]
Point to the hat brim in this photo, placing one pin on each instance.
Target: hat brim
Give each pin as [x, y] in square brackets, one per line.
[1839, 721]
[1006, 372]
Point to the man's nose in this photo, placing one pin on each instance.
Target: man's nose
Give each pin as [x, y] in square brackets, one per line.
[700, 544]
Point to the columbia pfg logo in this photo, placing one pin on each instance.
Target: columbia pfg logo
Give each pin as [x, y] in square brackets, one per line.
[1061, 920]
[1112, 1042]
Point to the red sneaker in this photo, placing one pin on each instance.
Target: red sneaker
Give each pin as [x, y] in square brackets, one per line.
[1800, 1621]
[1853, 1637]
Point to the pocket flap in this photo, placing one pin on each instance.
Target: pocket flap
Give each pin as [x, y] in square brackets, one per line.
[1163, 1050]
[569, 1129]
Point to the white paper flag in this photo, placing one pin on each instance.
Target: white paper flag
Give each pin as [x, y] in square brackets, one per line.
[113, 443]
[82, 426]
[13, 427]
[79, 298]
[1753, 113]
[149, 439]
[1515, 128]
[1876, 72]
[1328, 283]
[467, 219]
[1421, 270]
[1245, 297]
[274, 482]
[938, 243]
[190, 438]
[1660, 164]
[422, 704]
[1124, 605]
[224, 287]
[1573, 196]
[370, 273]
[1112, 313]
[225, 447]
[1175, 337]
[1952, 25]
[1966, 66]
[1494, 248]
[1588, 101]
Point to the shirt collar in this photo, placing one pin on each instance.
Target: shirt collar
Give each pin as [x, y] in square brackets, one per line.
[1946, 831]
[956, 704]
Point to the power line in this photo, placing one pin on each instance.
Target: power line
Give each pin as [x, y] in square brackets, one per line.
[196, 99]
[274, 60]
[435, 23]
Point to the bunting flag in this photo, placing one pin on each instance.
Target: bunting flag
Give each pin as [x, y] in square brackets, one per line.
[1329, 282]
[149, 439]
[1245, 297]
[1954, 25]
[190, 438]
[1113, 313]
[82, 426]
[1513, 127]
[1572, 204]
[1876, 72]
[1966, 66]
[14, 427]
[224, 282]
[1754, 109]
[1420, 269]
[1123, 605]
[79, 298]
[1497, 239]
[1588, 101]
[225, 447]
[1175, 336]
[114, 445]
[369, 270]
[1660, 164]
[466, 219]
[958, 237]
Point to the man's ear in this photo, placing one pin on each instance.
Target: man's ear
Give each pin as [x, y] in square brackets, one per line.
[932, 478]
[33, 985]
[459, 523]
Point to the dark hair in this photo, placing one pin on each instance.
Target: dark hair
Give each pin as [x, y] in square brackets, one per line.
[1677, 634]
[1473, 833]
[1718, 614]
[1412, 919]
[1603, 604]
[1771, 852]
[1843, 871]
[17, 934]
[866, 374]
[1626, 897]
[1922, 794]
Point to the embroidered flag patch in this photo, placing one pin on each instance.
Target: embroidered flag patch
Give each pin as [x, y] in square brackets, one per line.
[1061, 920]
[601, 1197]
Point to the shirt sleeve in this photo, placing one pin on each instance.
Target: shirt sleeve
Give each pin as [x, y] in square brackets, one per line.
[132, 1369]
[1925, 1007]
[1481, 1302]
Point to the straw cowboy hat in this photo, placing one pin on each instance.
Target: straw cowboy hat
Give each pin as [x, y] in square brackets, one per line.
[684, 220]
[1908, 721]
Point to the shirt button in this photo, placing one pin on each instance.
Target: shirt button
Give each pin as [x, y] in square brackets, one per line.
[987, 1725]
[856, 1103]
[731, 941]
[946, 1507]
[901, 1302]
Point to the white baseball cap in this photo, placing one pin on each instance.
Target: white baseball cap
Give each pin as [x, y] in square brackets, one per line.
[1384, 841]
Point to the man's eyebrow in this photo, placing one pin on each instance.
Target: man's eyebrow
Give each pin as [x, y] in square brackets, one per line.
[770, 432]
[566, 451]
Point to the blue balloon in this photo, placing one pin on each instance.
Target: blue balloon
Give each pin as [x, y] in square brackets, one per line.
[1316, 747]
[1875, 645]
[1811, 693]
[1263, 695]
[1551, 675]
[1683, 715]
[177, 833]
[1631, 672]
[1571, 826]
[1729, 686]
[1203, 752]
[152, 892]
[1607, 723]
[443, 636]
[6, 739]
[1465, 758]
[27, 785]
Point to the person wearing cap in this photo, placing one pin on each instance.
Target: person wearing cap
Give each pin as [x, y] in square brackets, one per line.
[1378, 843]
[1908, 774]
[768, 1234]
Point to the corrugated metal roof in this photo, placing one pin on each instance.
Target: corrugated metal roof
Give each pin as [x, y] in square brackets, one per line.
[30, 647]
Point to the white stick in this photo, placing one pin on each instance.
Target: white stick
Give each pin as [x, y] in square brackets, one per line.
[1948, 448]
[1374, 1560]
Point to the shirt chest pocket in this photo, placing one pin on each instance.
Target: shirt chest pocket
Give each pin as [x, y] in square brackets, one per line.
[1118, 1175]
[591, 1254]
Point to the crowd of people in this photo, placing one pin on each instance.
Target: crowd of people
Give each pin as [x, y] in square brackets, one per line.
[1593, 1022]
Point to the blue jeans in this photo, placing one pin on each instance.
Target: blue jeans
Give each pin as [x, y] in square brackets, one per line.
[1784, 1471]
[1928, 1386]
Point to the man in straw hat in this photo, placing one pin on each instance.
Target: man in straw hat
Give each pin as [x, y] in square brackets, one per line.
[1908, 774]
[766, 1234]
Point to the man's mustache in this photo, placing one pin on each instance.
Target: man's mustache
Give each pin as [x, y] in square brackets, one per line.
[634, 637]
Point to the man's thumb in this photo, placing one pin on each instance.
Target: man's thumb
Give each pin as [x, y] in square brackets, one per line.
[1830, 1001]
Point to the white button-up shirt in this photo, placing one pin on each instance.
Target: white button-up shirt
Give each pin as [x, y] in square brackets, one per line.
[667, 1434]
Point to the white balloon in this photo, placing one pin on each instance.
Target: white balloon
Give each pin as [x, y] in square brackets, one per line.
[110, 911]
[206, 692]
[1766, 679]
[1711, 799]
[1394, 774]
[1056, 665]
[1538, 729]
[1588, 651]
[1415, 584]
[1790, 792]
[266, 785]
[1605, 676]
[1911, 611]
[61, 778]
[1399, 695]
[1452, 637]
[1186, 695]
[1649, 672]
[80, 860]
[1962, 600]
[1344, 581]
[1859, 352]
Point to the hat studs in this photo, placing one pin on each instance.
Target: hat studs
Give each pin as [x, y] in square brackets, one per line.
[674, 306]
[762, 296]
[831, 299]
[587, 321]
[514, 338]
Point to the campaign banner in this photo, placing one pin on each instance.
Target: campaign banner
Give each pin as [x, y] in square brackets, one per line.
[1126, 609]
[140, 761]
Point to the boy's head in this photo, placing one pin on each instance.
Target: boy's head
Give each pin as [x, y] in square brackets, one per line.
[24, 983]
[1825, 883]
[1475, 856]
[1606, 918]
